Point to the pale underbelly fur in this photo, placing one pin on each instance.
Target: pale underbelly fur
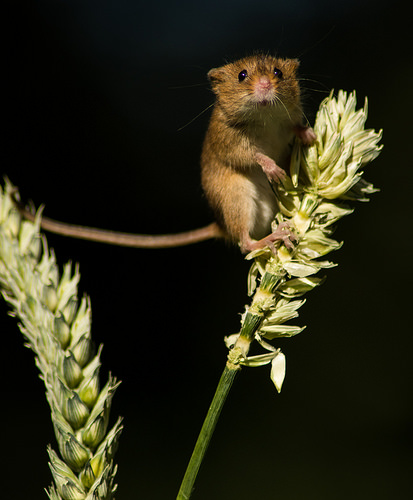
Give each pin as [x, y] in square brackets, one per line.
[263, 204]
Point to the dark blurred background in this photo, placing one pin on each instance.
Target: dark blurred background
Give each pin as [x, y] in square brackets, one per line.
[98, 92]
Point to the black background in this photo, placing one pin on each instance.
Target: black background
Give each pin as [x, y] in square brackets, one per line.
[97, 93]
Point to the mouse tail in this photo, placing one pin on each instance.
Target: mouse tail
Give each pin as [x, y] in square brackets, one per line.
[124, 239]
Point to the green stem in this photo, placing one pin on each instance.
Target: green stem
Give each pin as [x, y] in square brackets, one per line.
[208, 427]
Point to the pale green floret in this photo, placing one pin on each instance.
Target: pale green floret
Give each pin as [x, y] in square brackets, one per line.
[72, 372]
[89, 387]
[87, 476]
[61, 330]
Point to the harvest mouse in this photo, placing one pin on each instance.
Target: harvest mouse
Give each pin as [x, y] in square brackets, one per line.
[246, 149]
[247, 146]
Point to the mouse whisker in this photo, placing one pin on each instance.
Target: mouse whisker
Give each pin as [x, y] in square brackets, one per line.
[197, 116]
[278, 99]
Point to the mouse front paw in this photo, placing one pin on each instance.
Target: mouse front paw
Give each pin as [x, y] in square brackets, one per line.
[270, 168]
[306, 134]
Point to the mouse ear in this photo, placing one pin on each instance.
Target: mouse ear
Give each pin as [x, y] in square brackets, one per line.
[296, 63]
[291, 66]
[215, 75]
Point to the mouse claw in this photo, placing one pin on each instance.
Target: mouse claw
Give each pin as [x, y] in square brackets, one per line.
[276, 175]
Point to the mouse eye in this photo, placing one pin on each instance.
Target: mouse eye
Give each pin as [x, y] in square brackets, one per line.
[243, 75]
[278, 73]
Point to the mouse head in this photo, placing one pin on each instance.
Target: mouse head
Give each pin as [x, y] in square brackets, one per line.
[255, 85]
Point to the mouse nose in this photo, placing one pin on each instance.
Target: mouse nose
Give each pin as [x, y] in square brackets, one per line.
[264, 83]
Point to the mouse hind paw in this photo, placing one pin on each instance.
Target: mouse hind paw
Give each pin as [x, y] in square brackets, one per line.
[282, 235]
